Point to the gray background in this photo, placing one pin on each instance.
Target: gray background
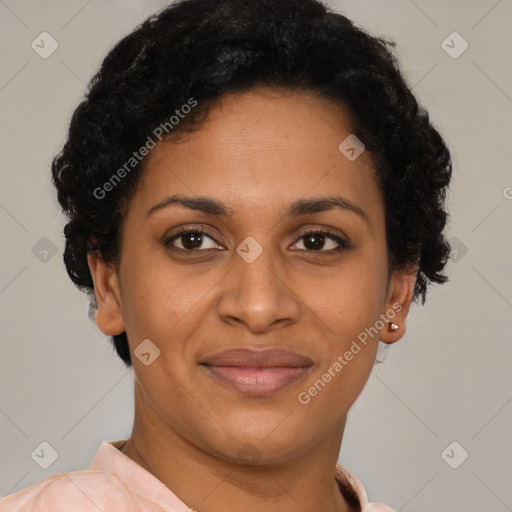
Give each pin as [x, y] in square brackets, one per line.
[447, 380]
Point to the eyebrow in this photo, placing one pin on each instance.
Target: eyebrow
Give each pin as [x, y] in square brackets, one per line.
[300, 207]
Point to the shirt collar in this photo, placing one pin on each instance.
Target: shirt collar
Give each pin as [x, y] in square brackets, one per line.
[109, 459]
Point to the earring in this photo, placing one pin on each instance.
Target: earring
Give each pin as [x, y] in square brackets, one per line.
[392, 326]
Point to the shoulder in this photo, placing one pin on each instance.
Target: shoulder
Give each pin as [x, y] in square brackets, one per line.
[80, 491]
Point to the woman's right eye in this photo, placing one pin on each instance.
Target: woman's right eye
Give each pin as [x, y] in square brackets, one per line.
[190, 240]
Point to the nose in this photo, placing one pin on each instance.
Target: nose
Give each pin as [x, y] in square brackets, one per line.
[258, 295]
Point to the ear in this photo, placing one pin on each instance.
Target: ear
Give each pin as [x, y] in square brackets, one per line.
[109, 318]
[400, 292]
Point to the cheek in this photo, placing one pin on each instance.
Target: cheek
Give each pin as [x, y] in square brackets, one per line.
[354, 375]
[348, 302]
[348, 311]
[154, 298]
[169, 309]
[327, 397]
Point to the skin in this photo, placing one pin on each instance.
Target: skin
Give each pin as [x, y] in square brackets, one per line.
[257, 152]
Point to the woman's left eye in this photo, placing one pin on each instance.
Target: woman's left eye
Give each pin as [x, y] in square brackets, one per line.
[317, 237]
[314, 240]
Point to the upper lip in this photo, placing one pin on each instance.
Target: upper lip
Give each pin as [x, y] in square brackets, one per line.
[250, 358]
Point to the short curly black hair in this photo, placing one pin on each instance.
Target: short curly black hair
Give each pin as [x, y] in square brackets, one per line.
[201, 50]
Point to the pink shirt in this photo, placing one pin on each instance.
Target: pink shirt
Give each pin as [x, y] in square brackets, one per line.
[115, 483]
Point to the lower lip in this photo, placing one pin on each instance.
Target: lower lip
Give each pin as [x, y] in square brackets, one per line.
[257, 381]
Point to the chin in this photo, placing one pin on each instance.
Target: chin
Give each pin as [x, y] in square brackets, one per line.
[262, 448]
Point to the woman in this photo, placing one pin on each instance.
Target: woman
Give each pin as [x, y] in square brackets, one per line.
[255, 199]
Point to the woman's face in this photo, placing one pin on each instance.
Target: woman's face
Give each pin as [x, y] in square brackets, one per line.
[252, 279]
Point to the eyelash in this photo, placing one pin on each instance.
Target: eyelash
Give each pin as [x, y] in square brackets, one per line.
[343, 244]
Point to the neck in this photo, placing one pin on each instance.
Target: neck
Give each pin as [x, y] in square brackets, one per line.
[208, 482]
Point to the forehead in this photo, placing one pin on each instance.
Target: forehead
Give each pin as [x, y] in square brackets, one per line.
[263, 147]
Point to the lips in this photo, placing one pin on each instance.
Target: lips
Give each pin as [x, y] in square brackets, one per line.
[257, 372]
[250, 358]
